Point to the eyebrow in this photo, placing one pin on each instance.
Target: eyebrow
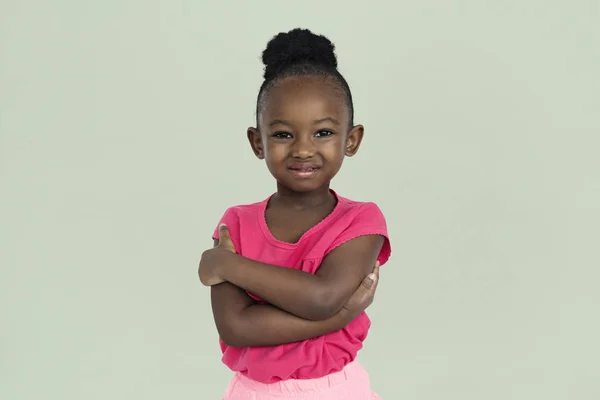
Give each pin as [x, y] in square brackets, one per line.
[315, 122]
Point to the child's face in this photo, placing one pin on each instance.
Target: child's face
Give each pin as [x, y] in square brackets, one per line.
[304, 132]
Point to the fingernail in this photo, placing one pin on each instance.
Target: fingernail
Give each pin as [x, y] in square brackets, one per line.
[222, 226]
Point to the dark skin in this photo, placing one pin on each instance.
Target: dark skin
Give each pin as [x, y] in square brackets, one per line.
[304, 135]
[241, 322]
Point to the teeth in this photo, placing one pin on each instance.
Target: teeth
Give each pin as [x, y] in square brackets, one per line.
[304, 170]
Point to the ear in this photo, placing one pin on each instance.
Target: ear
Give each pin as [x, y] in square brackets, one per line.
[256, 142]
[354, 139]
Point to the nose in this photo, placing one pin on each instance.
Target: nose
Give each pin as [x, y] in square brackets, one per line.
[304, 147]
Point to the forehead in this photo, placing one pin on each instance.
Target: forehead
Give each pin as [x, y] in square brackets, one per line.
[304, 99]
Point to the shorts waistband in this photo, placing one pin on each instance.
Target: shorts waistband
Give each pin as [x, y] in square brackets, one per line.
[352, 372]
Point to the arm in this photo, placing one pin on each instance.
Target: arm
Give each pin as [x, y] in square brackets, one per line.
[243, 323]
[314, 297]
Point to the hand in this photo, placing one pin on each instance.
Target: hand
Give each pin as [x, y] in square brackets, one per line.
[362, 297]
[213, 260]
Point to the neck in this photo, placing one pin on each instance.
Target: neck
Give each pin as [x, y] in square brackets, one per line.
[303, 200]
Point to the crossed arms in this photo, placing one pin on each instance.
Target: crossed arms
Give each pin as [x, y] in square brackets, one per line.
[300, 305]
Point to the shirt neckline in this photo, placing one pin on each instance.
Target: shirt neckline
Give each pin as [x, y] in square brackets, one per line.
[262, 220]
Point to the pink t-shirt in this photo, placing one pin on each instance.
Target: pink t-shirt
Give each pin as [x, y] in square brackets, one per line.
[251, 237]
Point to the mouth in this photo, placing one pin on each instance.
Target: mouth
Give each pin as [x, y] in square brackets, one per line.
[304, 172]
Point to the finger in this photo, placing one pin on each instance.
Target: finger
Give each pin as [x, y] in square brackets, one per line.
[376, 269]
[224, 234]
[368, 283]
[377, 265]
[374, 285]
[368, 293]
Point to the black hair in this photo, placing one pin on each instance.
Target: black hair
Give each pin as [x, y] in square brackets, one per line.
[300, 52]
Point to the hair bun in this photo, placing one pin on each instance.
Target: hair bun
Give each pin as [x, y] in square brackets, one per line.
[297, 46]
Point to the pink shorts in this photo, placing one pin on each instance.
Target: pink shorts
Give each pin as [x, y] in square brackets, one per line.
[351, 383]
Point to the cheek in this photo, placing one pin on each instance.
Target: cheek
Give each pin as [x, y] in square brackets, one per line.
[274, 152]
[334, 149]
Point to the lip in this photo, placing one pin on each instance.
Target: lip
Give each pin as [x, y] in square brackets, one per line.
[303, 165]
[304, 171]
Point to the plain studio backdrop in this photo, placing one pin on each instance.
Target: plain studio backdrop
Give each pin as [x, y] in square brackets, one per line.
[122, 141]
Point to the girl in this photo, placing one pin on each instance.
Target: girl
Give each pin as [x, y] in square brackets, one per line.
[291, 275]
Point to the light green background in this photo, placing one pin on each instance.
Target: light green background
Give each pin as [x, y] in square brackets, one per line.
[122, 141]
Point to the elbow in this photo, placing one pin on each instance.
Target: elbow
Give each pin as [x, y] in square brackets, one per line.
[232, 341]
[230, 337]
[234, 331]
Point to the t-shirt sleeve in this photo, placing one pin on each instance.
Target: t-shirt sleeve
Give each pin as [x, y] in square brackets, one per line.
[369, 220]
[231, 219]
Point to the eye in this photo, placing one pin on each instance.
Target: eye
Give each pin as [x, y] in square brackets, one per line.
[324, 133]
[282, 135]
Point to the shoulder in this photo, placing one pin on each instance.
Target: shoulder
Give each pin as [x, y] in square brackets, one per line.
[245, 209]
[350, 220]
[360, 218]
[361, 213]
[238, 215]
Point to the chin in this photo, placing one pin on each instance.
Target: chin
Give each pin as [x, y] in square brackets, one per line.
[301, 187]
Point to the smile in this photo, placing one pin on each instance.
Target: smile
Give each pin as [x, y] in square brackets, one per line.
[307, 172]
